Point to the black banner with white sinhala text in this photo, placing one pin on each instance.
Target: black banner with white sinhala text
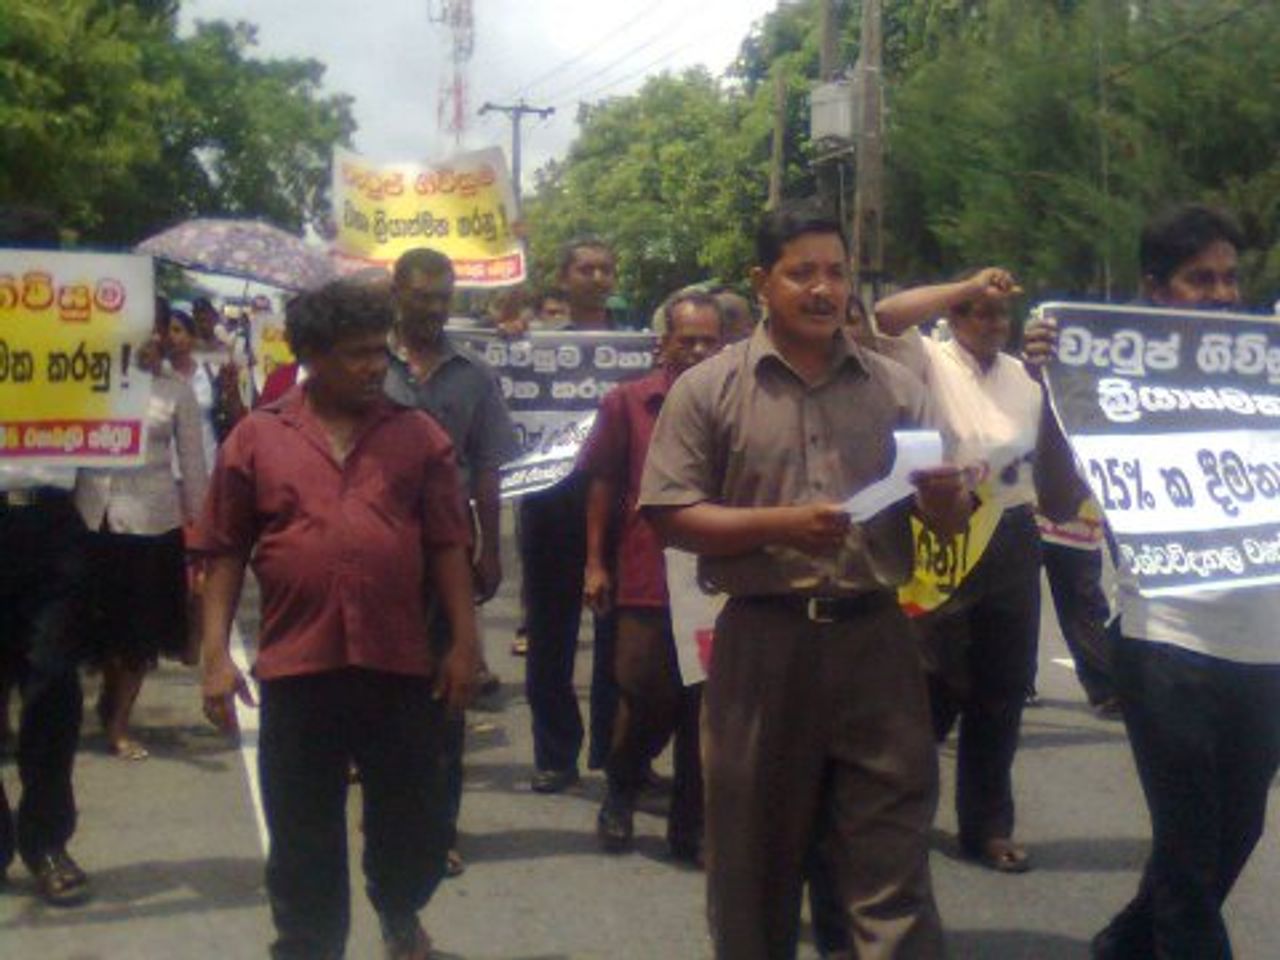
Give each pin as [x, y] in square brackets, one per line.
[1174, 417]
[553, 382]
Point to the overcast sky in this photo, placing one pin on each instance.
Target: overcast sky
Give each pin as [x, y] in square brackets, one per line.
[393, 59]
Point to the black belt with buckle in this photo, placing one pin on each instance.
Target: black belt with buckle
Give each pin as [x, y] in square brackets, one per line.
[834, 609]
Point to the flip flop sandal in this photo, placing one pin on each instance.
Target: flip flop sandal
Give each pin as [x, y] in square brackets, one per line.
[130, 750]
[1004, 856]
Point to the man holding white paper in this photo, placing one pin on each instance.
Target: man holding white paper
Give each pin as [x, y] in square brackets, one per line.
[815, 715]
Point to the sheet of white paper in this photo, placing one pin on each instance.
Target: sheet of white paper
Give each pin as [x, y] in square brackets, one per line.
[917, 450]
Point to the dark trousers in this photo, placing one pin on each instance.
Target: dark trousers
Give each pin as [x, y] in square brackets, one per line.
[553, 553]
[313, 728]
[1205, 735]
[655, 705]
[1075, 581]
[818, 733]
[42, 567]
[979, 647]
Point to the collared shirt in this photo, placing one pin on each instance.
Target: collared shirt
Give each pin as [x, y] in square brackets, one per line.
[615, 451]
[743, 429]
[463, 394]
[148, 499]
[991, 416]
[338, 546]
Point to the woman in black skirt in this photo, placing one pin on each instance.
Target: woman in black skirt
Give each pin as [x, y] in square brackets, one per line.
[135, 516]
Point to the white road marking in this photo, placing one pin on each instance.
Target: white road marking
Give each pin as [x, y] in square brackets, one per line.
[1065, 662]
[247, 719]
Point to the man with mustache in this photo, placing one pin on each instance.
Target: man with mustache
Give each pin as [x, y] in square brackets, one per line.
[816, 718]
[461, 393]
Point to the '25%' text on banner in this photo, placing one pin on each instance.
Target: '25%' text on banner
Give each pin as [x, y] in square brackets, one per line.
[1175, 419]
[553, 383]
[70, 326]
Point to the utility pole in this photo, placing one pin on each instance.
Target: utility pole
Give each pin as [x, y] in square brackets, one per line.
[828, 168]
[868, 197]
[516, 112]
[779, 136]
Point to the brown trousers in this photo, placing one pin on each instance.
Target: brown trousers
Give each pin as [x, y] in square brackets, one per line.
[654, 705]
[818, 732]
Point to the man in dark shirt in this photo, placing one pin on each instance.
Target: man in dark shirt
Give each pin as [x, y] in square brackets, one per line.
[350, 508]
[552, 553]
[459, 390]
[654, 703]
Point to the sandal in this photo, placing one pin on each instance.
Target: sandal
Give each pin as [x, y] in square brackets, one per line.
[127, 749]
[59, 880]
[454, 865]
[1003, 856]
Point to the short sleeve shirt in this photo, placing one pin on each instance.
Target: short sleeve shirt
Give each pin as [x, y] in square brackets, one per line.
[463, 395]
[615, 451]
[339, 548]
[743, 429]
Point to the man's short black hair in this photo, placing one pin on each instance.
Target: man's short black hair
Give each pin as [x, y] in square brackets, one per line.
[1174, 236]
[791, 219]
[551, 293]
[422, 260]
[698, 299]
[315, 321]
[32, 228]
[585, 242]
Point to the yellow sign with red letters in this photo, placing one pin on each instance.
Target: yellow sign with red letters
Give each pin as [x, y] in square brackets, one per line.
[464, 208]
[71, 325]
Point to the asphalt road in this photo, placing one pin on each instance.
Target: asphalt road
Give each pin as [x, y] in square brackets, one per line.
[175, 850]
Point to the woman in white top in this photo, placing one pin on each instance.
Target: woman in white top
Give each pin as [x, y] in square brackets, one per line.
[135, 517]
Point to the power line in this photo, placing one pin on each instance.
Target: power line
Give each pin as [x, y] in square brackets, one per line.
[585, 52]
[631, 76]
[1185, 37]
[663, 33]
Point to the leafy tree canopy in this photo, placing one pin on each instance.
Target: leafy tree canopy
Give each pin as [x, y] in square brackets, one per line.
[1039, 134]
[121, 127]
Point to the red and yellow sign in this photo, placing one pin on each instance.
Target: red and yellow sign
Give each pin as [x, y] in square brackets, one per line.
[70, 327]
[463, 208]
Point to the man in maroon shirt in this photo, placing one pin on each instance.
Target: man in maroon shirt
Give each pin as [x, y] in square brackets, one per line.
[653, 701]
[349, 508]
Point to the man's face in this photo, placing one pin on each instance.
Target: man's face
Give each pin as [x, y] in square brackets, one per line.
[554, 312]
[695, 333]
[982, 327]
[738, 321]
[590, 278]
[352, 372]
[1206, 281]
[206, 319]
[422, 307]
[807, 290]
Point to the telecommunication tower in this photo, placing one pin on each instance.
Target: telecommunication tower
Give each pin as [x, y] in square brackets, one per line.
[451, 108]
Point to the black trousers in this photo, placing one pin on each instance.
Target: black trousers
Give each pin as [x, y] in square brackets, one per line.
[553, 551]
[1205, 735]
[1075, 581]
[979, 648]
[313, 728]
[42, 574]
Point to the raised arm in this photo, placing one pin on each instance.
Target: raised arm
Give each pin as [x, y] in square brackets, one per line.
[899, 312]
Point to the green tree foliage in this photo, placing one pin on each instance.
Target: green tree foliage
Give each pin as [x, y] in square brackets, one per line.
[1035, 133]
[667, 176]
[121, 127]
